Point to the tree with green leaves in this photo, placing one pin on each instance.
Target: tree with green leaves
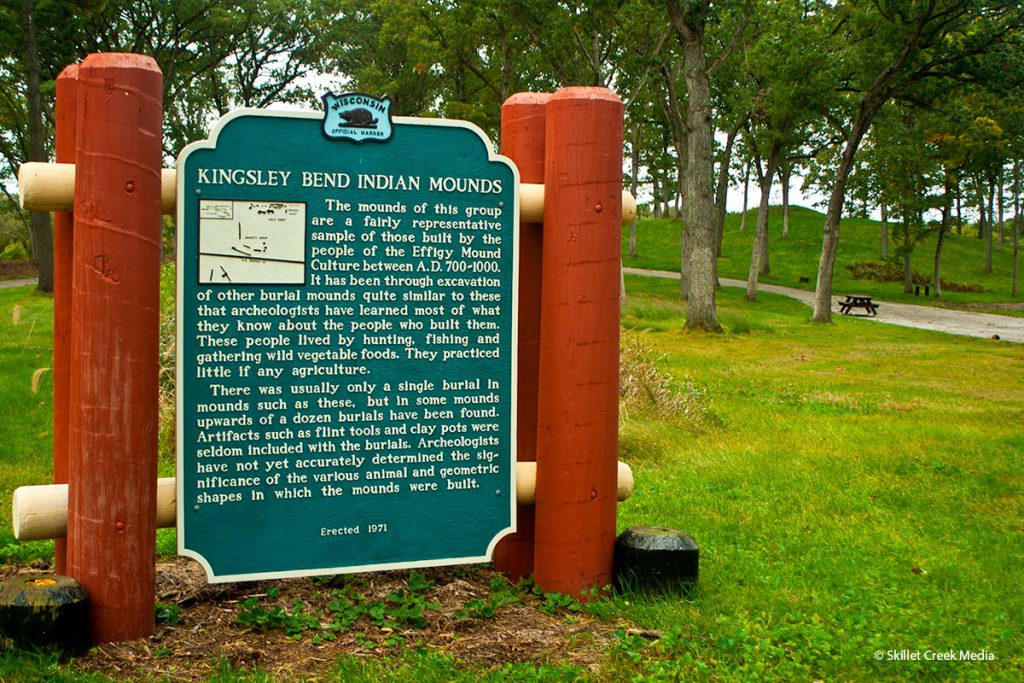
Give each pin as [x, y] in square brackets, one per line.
[789, 85]
[890, 46]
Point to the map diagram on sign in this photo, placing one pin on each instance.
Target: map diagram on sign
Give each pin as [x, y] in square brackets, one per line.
[248, 242]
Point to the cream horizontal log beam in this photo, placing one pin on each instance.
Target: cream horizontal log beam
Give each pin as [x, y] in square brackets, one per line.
[51, 187]
[41, 512]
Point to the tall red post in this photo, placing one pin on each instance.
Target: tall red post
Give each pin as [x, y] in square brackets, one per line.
[577, 438]
[114, 342]
[522, 140]
[64, 144]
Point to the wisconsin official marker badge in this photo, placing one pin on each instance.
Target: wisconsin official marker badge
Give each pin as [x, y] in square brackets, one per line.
[357, 117]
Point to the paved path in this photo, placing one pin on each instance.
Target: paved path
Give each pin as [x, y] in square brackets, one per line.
[964, 323]
[7, 284]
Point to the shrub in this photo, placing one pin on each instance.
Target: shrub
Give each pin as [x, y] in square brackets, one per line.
[15, 251]
[12, 227]
[890, 271]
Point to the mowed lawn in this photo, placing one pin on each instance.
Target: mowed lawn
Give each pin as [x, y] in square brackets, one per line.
[796, 256]
[854, 487]
[860, 492]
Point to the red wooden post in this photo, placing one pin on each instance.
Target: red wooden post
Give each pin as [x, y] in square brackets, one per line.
[64, 113]
[579, 347]
[114, 342]
[522, 140]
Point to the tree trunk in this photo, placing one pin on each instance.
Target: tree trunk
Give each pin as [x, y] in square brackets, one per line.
[989, 226]
[677, 127]
[947, 209]
[785, 171]
[959, 210]
[722, 192]
[999, 243]
[885, 231]
[759, 249]
[689, 25]
[634, 179]
[981, 219]
[766, 268]
[979, 187]
[908, 276]
[39, 230]
[680, 192]
[1016, 224]
[746, 191]
[830, 240]
[657, 208]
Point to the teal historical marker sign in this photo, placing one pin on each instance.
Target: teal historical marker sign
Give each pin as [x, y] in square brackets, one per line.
[346, 343]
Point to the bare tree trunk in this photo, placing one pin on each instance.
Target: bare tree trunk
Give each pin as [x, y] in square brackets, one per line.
[979, 188]
[39, 229]
[981, 219]
[959, 209]
[655, 189]
[947, 209]
[677, 127]
[722, 191]
[766, 268]
[689, 25]
[999, 244]
[634, 179]
[746, 191]
[989, 226]
[1016, 224]
[680, 192]
[758, 249]
[908, 276]
[785, 171]
[885, 231]
[830, 239]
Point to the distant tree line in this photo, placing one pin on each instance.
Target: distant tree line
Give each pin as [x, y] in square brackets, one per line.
[903, 105]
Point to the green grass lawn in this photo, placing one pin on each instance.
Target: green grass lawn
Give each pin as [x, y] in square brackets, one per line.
[26, 429]
[796, 256]
[862, 492]
[854, 488]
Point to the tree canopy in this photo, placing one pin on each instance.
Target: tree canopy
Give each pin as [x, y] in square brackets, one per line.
[916, 104]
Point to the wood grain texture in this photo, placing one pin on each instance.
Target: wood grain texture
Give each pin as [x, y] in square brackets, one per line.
[64, 152]
[577, 427]
[114, 343]
[522, 140]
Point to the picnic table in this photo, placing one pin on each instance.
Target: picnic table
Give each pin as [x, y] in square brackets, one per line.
[852, 301]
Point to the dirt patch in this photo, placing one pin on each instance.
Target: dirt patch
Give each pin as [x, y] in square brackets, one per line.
[207, 633]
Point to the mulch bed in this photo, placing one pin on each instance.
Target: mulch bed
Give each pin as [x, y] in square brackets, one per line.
[208, 634]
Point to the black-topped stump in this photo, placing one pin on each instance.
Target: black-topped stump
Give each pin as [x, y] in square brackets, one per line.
[656, 559]
[44, 611]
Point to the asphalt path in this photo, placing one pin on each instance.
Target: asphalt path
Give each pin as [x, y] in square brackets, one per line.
[965, 323]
